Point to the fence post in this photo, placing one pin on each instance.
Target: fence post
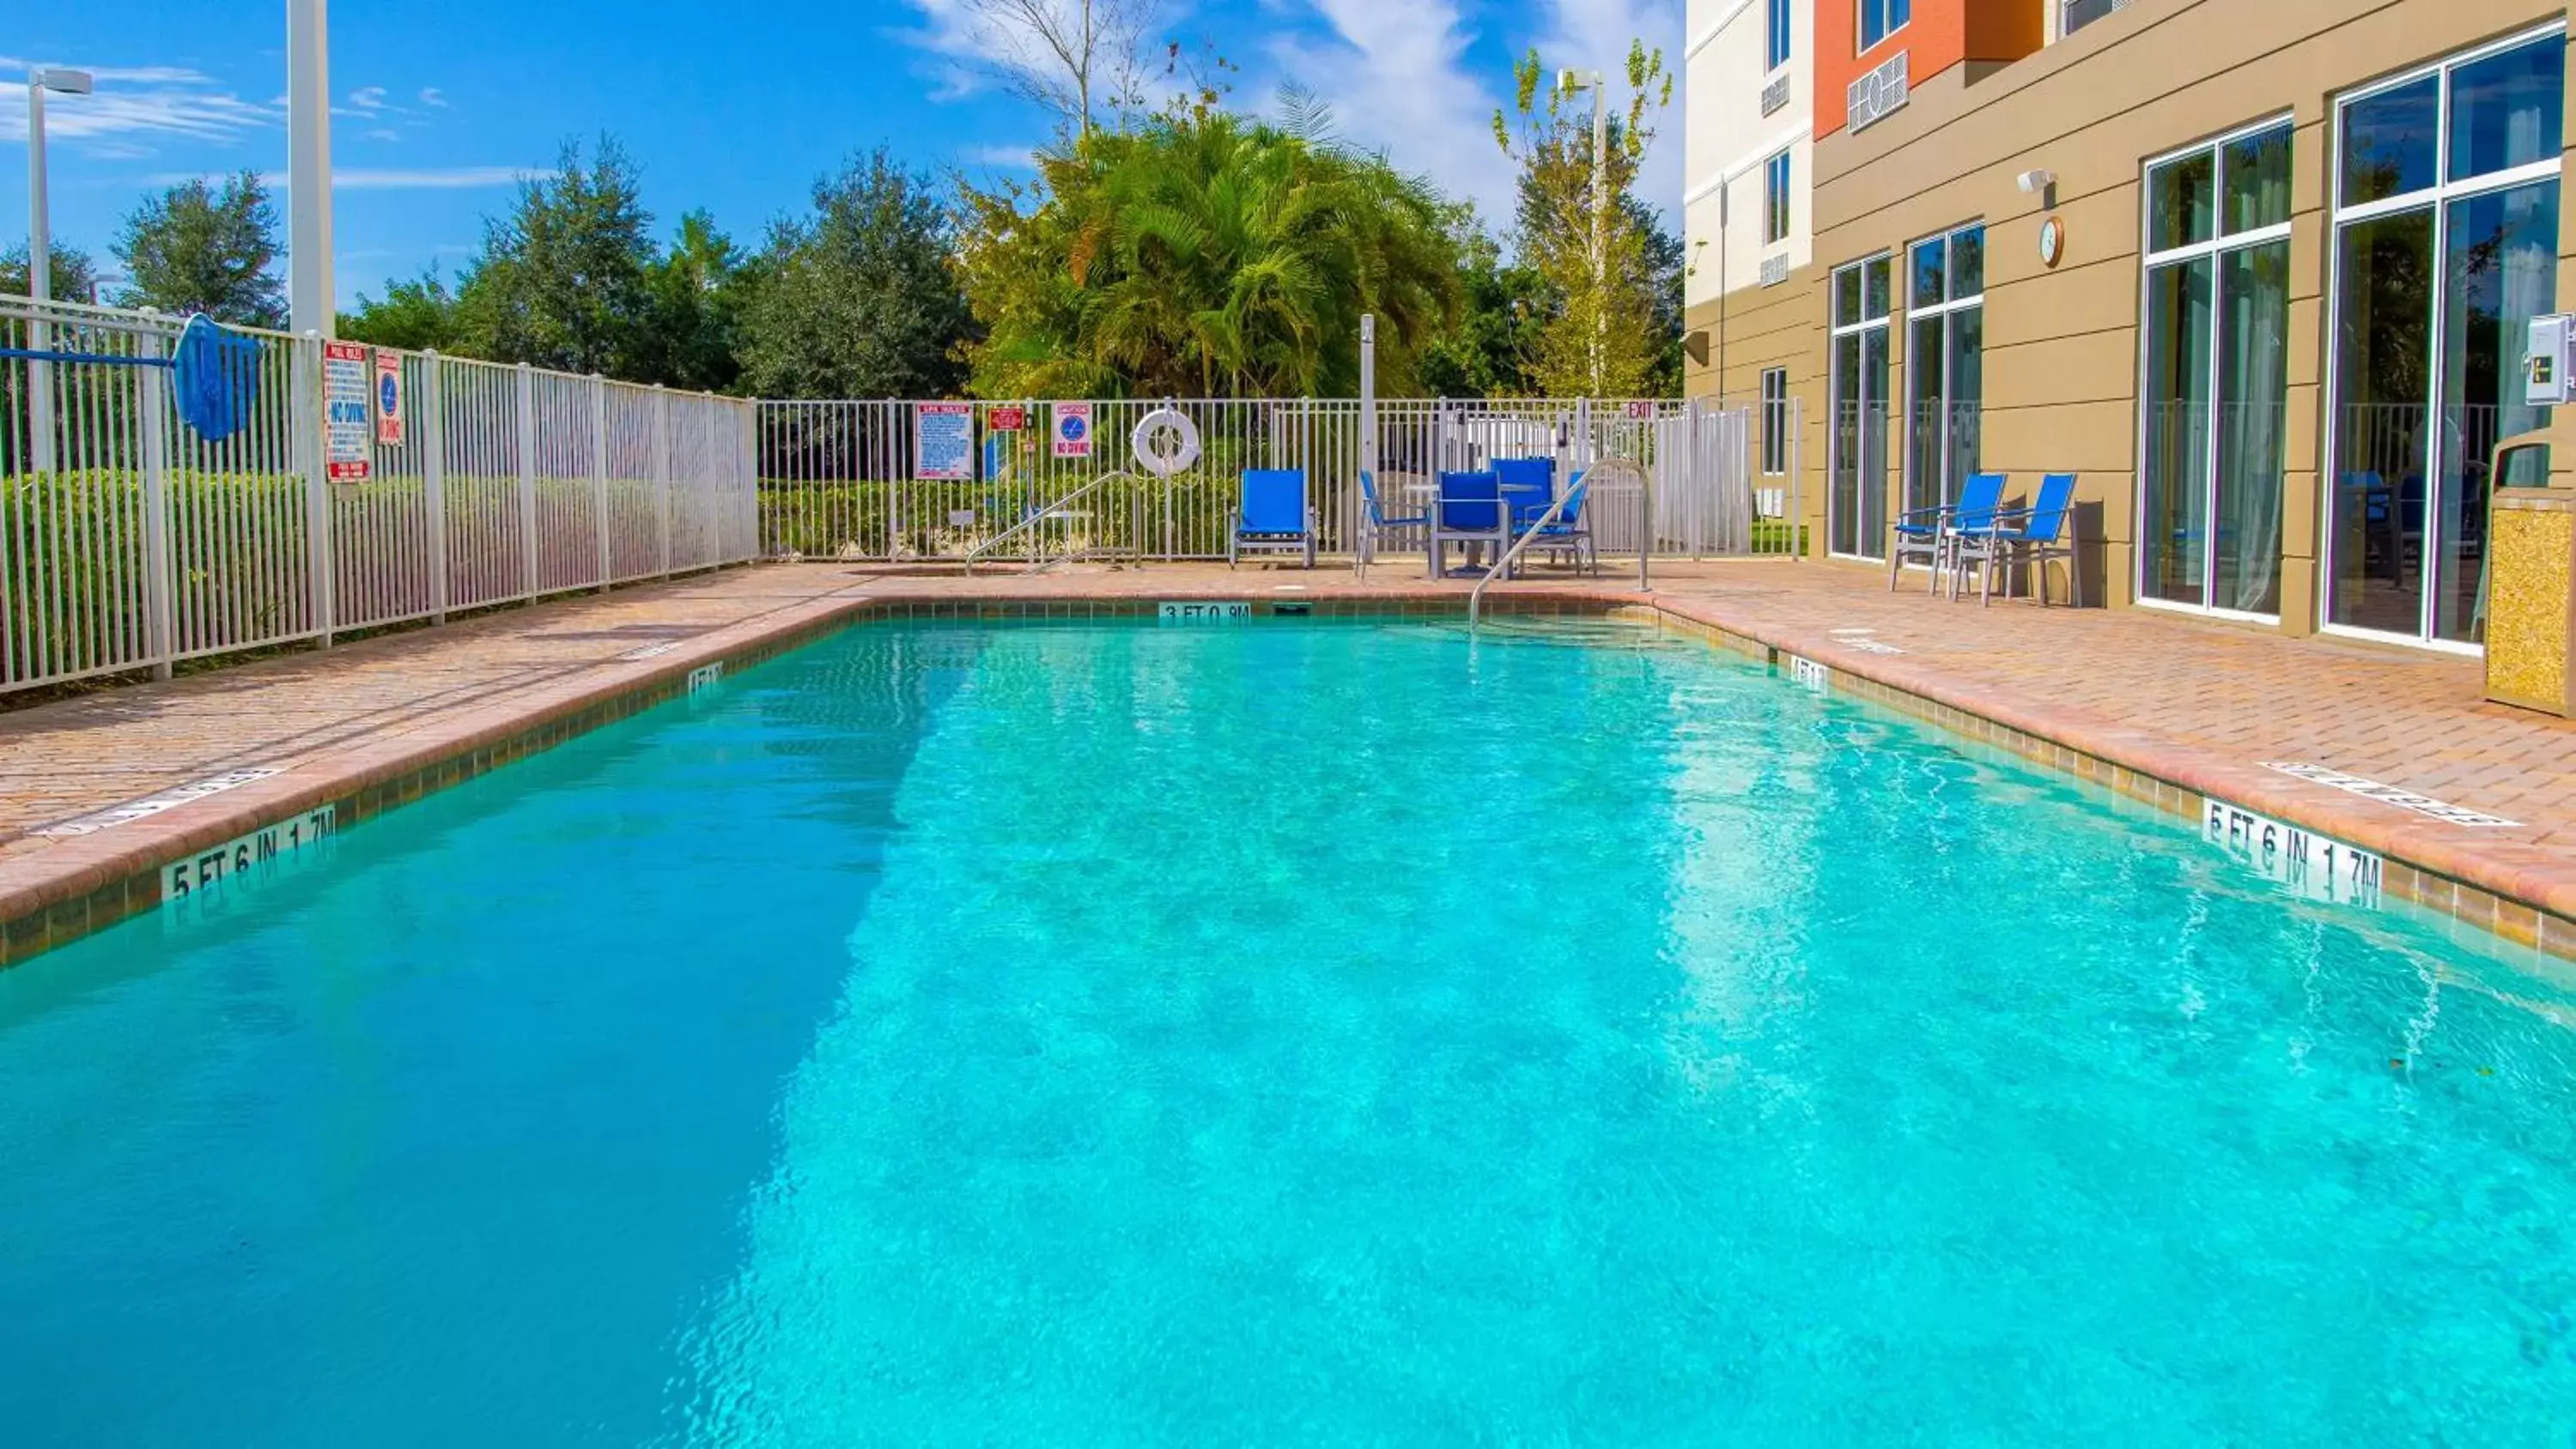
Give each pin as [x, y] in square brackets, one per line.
[599, 470]
[528, 479]
[159, 631]
[1798, 478]
[312, 428]
[747, 460]
[433, 478]
[662, 468]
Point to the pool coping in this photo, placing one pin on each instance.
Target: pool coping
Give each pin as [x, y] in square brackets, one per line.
[86, 883]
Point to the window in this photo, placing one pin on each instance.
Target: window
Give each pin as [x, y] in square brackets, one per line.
[1856, 492]
[1775, 199]
[1775, 49]
[2213, 395]
[1945, 295]
[1880, 19]
[1775, 421]
[2444, 247]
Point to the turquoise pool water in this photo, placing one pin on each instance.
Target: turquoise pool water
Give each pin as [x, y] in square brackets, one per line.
[1270, 1034]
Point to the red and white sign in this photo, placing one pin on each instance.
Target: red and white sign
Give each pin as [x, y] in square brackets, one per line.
[1641, 409]
[348, 441]
[1006, 420]
[389, 400]
[1072, 430]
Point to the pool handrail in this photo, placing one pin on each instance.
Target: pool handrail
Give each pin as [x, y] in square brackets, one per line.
[1646, 492]
[1043, 513]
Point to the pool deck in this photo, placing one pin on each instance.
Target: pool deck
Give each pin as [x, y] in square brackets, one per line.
[2163, 707]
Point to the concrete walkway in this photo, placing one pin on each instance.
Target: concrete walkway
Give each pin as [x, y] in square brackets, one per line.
[2203, 705]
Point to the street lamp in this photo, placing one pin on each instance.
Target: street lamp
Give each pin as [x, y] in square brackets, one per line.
[1569, 82]
[40, 255]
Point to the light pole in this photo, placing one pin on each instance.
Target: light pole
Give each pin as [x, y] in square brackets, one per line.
[1570, 81]
[308, 168]
[40, 256]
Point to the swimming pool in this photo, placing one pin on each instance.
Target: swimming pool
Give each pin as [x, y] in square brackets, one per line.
[1279, 1032]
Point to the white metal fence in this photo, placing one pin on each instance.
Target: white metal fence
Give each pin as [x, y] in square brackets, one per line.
[840, 479]
[129, 541]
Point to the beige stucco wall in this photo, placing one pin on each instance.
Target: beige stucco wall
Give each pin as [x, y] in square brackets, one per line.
[2061, 344]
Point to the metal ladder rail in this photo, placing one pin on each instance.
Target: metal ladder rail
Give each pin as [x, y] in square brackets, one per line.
[1645, 547]
[1051, 510]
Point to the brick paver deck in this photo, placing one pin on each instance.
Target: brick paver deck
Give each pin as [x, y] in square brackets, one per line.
[2200, 704]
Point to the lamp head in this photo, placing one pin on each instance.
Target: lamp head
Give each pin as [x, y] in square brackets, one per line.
[2035, 182]
[62, 79]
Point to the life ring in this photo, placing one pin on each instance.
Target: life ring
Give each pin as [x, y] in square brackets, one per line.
[1165, 442]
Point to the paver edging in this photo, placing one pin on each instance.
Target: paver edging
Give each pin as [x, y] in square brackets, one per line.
[2519, 903]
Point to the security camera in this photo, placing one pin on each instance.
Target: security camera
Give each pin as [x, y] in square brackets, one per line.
[2035, 182]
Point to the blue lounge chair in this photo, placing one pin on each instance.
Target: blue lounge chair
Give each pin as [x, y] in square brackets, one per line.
[2039, 533]
[1924, 533]
[1470, 511]
[1375, 525]
[1529, 486]
[1274, 516]
[1570, 534]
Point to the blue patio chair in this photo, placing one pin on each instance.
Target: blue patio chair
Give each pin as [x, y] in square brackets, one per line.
[1273, 516]
[1469, 510]
[1375, 524]
[1924, 533]
[1570, 534]
[1529, 486]
[2035, 535]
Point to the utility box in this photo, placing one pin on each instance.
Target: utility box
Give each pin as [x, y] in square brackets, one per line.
[2530, 591]
[2547, 380]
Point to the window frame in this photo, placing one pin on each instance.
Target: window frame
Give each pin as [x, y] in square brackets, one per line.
[1885, 10]
[2438, 199]
[1776, 178]
[1775, 417]
[1778, 40]
[2219, 242]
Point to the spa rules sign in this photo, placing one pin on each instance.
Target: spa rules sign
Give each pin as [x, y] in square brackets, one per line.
[943, 440]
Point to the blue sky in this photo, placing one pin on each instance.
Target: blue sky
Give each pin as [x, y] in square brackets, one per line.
[737, 108]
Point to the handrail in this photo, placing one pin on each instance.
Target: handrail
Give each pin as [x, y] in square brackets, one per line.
[1041, 515]
[1476, 599]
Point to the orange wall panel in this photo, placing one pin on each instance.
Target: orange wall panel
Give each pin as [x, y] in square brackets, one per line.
[1940, 34]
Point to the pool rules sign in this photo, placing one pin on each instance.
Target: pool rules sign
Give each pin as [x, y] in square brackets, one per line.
[348, 419]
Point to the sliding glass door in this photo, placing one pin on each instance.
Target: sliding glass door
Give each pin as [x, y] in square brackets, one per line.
[2216, 383]
[1856, 501]
[2446, 246]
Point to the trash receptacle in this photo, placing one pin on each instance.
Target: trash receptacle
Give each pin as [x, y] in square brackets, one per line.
[2529, 594]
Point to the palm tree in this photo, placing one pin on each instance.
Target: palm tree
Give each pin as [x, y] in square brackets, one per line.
[1206, 255]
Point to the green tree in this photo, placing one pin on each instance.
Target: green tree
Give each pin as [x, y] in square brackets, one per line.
[698, 291]
[417, 314]
[1204, 255]
[1504, 307]
[194, 248]
[858, 299]
[562, 279]
[1603, 340]
[73, 277]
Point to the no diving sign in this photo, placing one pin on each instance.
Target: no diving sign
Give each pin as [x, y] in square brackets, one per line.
[1072, 430]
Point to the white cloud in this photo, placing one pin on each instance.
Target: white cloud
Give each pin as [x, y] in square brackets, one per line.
[433, 97]
[381, 133]
[398, 178]
[139, 103]
[1015, 158]
[1394, 73]
[368, 98]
